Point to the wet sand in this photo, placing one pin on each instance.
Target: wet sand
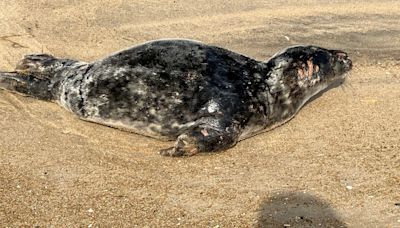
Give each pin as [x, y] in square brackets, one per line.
[336, 163]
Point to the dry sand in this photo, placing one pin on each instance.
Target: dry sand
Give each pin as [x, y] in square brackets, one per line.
[336, 164]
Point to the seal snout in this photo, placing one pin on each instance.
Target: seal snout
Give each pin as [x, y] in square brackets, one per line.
[344, 59]
[349, 64]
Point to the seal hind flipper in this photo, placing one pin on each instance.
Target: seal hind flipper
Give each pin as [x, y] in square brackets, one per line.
[40, 75]
[10, 80]
[35, 63]
[25, 84]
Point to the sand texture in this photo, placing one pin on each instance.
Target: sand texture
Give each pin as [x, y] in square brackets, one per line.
[335, 164]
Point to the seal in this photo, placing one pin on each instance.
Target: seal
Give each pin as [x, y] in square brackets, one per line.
[205, 97]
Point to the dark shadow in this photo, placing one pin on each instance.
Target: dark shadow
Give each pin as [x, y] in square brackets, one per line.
[297, 209]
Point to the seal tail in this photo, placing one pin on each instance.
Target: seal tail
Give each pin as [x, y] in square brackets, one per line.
[25, 84]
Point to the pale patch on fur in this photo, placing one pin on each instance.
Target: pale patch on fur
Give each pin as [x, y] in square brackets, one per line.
[152, 111]
[139, 87]
[183, 126]
[69, 90]
[274, 80]
[119, 72]
[213, 107]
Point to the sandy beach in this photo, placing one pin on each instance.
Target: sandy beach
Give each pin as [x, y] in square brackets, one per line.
[336, 164]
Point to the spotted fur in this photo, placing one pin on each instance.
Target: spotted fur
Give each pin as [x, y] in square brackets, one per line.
[205, 97]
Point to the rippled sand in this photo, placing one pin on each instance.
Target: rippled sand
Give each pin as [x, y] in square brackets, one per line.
[337, 163]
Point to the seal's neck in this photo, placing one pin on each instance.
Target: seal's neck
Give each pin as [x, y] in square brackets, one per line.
[286, 97]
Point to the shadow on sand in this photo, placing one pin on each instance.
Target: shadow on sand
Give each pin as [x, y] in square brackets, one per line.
[297, 209]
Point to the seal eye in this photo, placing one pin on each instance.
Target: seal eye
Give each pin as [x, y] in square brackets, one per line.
[341, 56]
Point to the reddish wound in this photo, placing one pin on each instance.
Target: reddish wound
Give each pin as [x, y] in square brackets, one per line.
[204, 132]
[301, 73]
[310, 68]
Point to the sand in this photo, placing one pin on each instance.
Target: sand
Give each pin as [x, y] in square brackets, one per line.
[335, 164]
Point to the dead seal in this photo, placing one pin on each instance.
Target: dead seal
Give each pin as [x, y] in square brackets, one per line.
[205, 97]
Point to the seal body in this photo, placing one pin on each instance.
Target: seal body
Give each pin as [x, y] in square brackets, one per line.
[205, 97]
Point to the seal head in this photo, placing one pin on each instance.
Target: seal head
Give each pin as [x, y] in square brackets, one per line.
[299, 73]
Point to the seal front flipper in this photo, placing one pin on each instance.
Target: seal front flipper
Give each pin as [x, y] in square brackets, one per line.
[204, 138]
